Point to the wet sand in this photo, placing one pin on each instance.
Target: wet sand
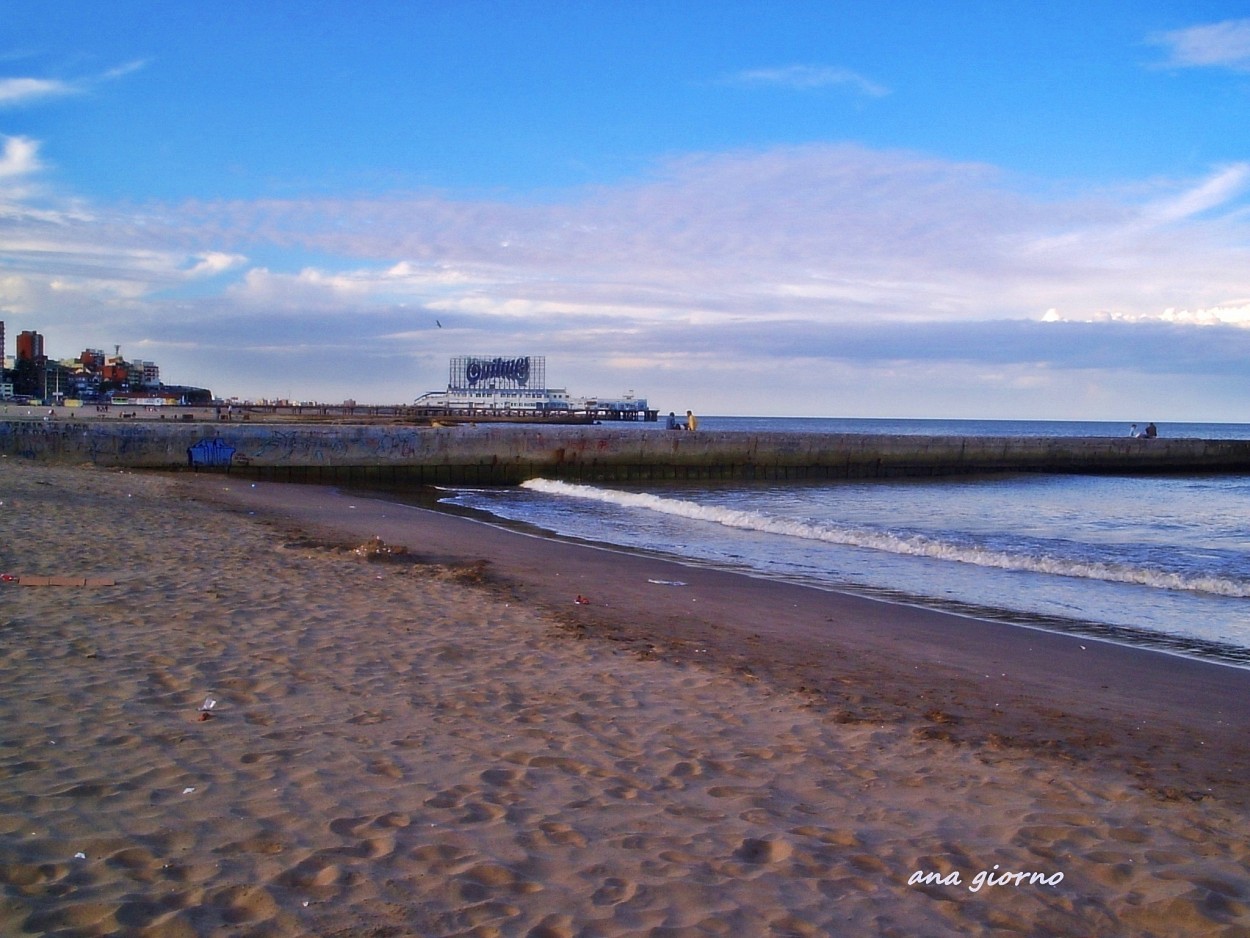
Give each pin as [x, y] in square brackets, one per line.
[427, 735]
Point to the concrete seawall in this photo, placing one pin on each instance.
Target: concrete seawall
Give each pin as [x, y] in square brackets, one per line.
[507, 454]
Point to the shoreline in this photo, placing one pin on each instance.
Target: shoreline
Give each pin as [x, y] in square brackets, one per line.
[982, 682]
[258, 718]
[1188, 648]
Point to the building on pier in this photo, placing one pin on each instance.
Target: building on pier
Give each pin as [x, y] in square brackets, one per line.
[485, 387]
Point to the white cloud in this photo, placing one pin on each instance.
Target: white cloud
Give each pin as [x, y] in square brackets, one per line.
[308, 288]
[19, 157]
[123, 70]
[1225, 44]
[212, 263]
[67, 265]
[420, 275]
[69, 252]
[52, 300]
[810, 77]
[14, 91]
[1233, 314]
[823, 235]
[1220, 188]
[730, 272]
[315, 288]
[25, 90]
[1219, 315]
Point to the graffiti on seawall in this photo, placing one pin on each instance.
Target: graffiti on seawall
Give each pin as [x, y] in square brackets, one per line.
[211, 453]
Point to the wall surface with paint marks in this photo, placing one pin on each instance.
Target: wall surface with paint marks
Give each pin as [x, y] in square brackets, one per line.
[510, 453]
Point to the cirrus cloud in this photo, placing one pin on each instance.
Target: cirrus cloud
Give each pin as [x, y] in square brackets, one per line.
[24, 90]
[888, 265]
[1213, 45]
[14, 91]
[809, 78]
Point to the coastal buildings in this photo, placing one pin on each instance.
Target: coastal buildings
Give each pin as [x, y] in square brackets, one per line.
[29, 346]
[478, 388]
[92, 377]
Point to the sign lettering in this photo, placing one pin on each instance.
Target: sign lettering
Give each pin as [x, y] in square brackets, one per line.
[507, 369]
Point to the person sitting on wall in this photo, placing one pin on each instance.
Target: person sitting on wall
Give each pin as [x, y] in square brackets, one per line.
[1151, 431]
[692, 422]
[672, 421]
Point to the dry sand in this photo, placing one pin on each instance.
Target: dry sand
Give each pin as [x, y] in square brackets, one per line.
[417, 743]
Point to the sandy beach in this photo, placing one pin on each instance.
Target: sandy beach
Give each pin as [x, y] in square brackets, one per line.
[254, 709]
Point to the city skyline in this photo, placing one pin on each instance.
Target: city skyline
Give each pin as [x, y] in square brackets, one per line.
[88, 376]
[921, 209]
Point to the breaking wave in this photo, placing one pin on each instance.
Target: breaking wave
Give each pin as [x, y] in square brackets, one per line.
[910, 544]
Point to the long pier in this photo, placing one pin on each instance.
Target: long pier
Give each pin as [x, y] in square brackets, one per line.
[503, 454]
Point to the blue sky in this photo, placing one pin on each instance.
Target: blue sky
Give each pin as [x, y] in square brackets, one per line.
[921, 209]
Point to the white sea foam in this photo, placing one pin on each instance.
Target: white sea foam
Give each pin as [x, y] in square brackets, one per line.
[910, 544]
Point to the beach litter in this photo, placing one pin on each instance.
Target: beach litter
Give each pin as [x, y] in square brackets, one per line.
[206, 709]
[378, 549]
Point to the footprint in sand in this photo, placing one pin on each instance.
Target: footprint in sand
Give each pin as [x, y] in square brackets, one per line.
[386, 767]
[551, 834]
[438, 859]
[265, 758]
[393, 820]
[69, 917]
[139, 864]
[838, 837]
[754, 850]
[502, 778]
[614, 891]
[137, 913]
[262, 844]
[730, 791]
[553, 926]
[242, 904]
[563, 834]
[449, 797]
[82, 790]
[350, 826]
[491, 877]
[370, 848]
[687, 769]
[370, 718]
[317, 874]
[24, 875]
[571, 766]
[478, 812]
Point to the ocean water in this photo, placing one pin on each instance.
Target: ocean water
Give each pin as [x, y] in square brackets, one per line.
[1157, 561]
